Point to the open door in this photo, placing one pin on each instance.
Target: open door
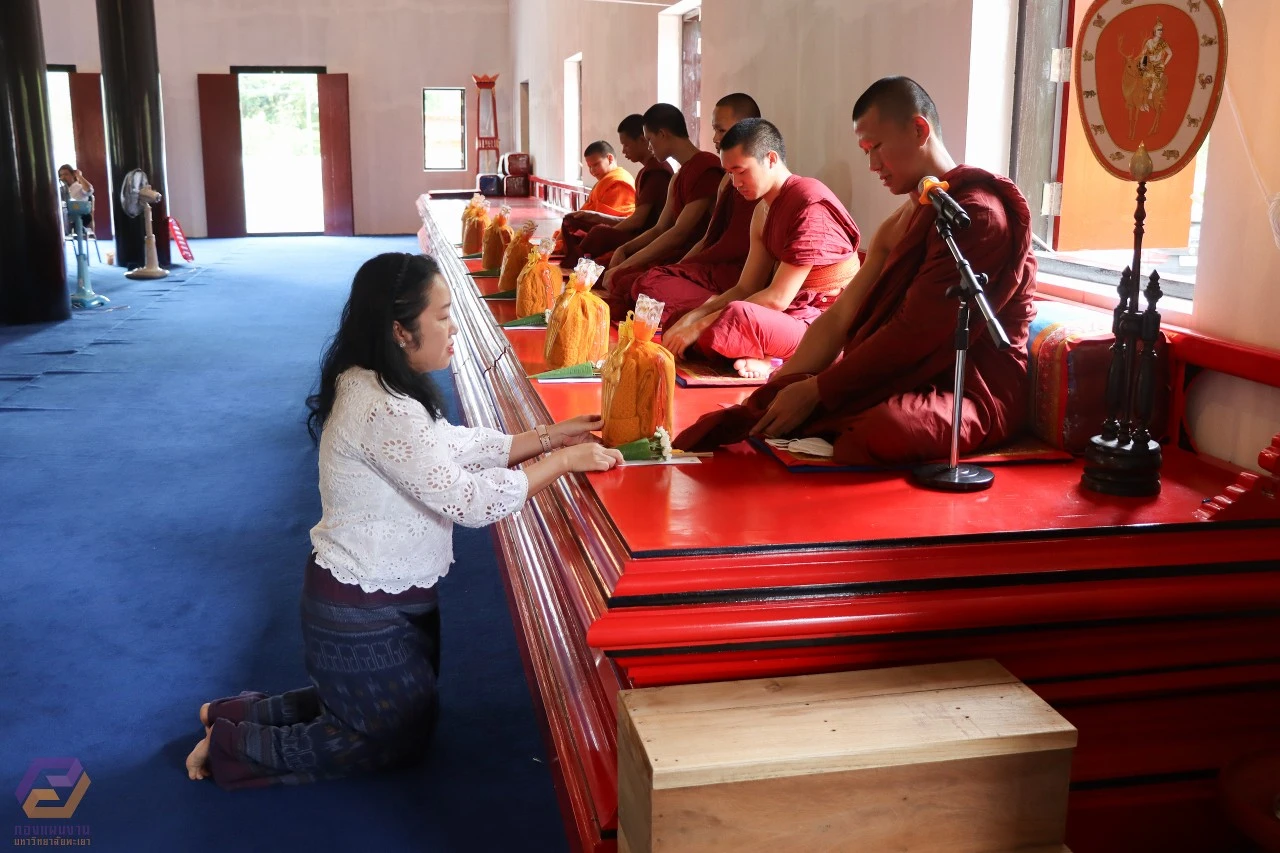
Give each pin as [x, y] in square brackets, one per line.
[91, 145]
[335, 154]
[222, 152]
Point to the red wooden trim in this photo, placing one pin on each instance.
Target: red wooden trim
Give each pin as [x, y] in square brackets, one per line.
[1251, 496]
[222, 152]
[558, 195]
[91, 145]
[815, 620]
[335, 154]
[1235, 359]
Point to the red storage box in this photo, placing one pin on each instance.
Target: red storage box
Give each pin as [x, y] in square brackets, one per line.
[516, 164]
[515, 185]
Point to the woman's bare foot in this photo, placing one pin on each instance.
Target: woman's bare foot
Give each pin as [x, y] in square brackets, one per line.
[754, 368]
[198, 760]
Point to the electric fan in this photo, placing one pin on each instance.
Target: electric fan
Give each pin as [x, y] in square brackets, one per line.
[84, 297]
[136, 197]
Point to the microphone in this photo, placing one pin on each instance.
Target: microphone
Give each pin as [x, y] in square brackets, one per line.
[933, 190]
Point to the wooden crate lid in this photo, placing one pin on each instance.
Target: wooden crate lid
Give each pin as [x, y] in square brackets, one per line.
[701, 734]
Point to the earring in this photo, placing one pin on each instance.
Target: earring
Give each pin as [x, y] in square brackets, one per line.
[401, 344]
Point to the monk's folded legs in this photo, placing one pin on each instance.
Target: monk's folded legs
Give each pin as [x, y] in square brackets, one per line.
[908, 428]
[747, 330]
[684, 287]
[598, 245]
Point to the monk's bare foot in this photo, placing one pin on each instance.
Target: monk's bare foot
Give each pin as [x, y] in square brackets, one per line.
[198, 760]
[753, 368]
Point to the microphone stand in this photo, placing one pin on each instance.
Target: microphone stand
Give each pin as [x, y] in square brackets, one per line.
[952, 476]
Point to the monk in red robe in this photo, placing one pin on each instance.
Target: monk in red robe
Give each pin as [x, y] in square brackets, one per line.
[606, 233]
[804, 250]
[714, 263]
[685, 215]
[874, 373]
[613, 196]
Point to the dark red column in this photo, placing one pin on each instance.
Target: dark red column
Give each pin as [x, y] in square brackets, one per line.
[33, 272]
[135, 120]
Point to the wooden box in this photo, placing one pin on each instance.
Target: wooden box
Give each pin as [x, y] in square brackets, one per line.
[949, 758]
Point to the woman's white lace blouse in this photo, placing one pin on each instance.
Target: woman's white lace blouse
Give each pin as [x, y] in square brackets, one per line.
[393, 480]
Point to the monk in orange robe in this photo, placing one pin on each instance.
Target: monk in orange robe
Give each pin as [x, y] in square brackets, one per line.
[606, 233]
[613, 196]
[714, 263]
[804, 250]
[874, 373]
[685, 215]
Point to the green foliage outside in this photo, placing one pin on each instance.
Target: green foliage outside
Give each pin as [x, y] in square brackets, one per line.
[279, 114]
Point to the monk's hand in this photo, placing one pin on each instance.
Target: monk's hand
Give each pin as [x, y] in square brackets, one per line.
[576, 430]
[618, 257]
[792, 407]
[685, 333]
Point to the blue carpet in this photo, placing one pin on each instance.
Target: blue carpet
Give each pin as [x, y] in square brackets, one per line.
[156, 489]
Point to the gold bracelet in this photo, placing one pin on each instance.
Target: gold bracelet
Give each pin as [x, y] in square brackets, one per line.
[544, 437]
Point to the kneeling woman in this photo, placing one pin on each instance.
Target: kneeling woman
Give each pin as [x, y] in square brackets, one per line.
[394, 478]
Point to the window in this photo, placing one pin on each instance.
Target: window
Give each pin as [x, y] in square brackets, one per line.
[1082, 216]
[444, 130]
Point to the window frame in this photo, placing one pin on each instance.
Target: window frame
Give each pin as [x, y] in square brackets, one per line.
[465, 165]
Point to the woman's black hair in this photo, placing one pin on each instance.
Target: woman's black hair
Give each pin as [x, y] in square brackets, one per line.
[389, 288]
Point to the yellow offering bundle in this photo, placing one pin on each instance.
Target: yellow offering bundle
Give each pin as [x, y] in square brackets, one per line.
[578, 328]
[517, 255]
[638, 379]
[475, 219]
[497, 236]
[540, 281]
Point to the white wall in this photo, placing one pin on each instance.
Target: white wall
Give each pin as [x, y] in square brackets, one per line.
[389, 48]
[1238, 277]
[619, 45]
[807, 61]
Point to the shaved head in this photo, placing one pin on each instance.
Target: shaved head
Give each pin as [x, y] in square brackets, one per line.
[660, 117]
[898, 99]
[756, 137]
[599, 148]
[741, 105]
[632, 125]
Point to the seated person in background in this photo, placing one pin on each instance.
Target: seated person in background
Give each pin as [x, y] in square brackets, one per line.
[605, 235]
[714, 263]
[395, 477]
[74, 186]
[685, 215]
[612, 199]
[874, 373]
[804, 250]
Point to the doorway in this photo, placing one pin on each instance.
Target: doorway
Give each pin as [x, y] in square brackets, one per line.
[61, 126]
[280, 138]
[523, 144]
[573, 119]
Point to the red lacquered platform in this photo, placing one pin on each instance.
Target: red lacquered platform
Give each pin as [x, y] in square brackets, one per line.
[1156, 633]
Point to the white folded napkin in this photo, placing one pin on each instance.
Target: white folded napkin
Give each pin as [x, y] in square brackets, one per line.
[807, 446]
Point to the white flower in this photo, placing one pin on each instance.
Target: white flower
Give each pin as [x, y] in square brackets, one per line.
[663, 443]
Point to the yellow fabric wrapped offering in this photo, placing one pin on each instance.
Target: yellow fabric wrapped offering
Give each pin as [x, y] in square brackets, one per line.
[540, 281]
[497, 237]
[638, 380]
[516, 256]
[475, 219]
[578, 328]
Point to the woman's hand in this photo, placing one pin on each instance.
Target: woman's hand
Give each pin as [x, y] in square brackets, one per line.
[576, 430]
[589, 456]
